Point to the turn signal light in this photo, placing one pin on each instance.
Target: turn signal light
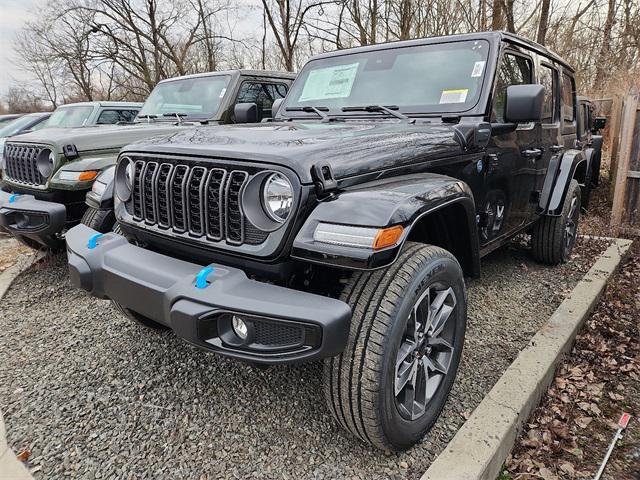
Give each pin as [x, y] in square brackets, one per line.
[88, 175]
[387, 237]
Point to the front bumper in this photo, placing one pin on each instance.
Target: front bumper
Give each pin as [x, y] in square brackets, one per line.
[285, 325]
[25, 216]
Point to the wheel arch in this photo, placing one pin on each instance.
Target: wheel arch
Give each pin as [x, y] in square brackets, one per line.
[431, 208]
[452, 227]
[572, 164]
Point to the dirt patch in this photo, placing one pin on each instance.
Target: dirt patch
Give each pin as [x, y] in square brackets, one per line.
[568, 435]
[10, 250]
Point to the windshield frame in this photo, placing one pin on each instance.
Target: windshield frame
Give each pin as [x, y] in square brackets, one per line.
[477, 109]
[192, 117]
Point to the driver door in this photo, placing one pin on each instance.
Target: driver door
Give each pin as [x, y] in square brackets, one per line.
[512, 155]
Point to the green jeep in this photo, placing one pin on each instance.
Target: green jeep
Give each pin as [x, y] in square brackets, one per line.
[47, 174]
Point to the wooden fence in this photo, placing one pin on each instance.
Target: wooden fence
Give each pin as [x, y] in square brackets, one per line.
[624, 136]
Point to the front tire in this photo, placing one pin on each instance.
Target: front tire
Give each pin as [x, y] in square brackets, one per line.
[100, 219]
[391, 382]
[553, 238]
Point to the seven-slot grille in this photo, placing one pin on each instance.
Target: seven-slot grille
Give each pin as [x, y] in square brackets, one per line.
[203, 202]
[21, 164]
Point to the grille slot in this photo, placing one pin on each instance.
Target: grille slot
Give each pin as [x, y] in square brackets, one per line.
[275, 334]
[203, 202]
[235, 219]
[21, 164]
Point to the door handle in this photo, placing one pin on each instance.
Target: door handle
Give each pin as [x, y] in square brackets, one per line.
[532, 153]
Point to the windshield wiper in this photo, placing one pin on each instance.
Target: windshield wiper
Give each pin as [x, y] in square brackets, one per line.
[148, 117]
[380, 108]
[178, 115]
[317, 110]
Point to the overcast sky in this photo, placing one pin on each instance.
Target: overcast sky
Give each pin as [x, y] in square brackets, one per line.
[13, 14]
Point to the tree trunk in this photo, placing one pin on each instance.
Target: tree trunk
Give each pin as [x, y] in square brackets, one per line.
[496, 15]
[543, 24]
[605, 51]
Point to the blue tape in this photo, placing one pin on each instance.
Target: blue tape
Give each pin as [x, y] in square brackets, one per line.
[93, 240]
[13, 197]
[201, 277]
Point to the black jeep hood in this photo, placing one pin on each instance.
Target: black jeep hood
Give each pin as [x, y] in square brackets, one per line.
[351, 148]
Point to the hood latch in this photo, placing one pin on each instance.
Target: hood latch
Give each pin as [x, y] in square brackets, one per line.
[323, 179]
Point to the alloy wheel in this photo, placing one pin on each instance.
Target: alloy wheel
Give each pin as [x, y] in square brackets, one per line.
[425, 352]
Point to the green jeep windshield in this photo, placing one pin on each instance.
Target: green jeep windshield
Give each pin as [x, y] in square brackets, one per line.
[196, 98]
[70, 117]
[443, 77]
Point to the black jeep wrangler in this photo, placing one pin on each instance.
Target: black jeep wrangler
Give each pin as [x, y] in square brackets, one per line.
[342, 230]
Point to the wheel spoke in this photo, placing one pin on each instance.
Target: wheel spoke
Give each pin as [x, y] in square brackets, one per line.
[434, 365]
[439, 344]
[405, 366]
[441, 311]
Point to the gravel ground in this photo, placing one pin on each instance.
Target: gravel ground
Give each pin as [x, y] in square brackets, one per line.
[93, 395]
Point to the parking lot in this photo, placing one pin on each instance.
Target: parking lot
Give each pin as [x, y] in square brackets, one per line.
[93, 395]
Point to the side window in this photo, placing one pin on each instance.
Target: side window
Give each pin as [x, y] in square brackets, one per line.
[568, 98]
[262, 94]
[515, 70]
[549, 80]
[109, 117]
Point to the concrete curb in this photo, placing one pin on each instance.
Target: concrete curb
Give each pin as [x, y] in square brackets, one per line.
[479, 449]
[10, 467]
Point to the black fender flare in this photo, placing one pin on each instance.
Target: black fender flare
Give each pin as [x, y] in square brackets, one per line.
[401, 201]
[562, 169]
[103, 200]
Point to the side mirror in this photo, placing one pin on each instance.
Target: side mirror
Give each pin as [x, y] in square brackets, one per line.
[524, 103]
[276, 106]
[599, 123]
[245, 113]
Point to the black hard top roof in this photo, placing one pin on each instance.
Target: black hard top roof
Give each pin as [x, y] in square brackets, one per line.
[492, 37]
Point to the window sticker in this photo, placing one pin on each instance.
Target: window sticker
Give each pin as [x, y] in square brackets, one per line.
[454, 96]
[222, 92]
[330, 82]
[478, 68]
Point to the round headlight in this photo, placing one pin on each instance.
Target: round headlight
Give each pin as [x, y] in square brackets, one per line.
[128, 175]
[124, 178]
[45, 162]
[277, 197]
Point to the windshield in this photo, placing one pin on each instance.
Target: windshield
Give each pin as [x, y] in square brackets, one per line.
[434, 78]
[69, 117]
[197, 98]
[6, 119]
[15, 126]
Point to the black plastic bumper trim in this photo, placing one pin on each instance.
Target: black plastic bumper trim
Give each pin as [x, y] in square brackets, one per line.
[163, 289]
[24, 216]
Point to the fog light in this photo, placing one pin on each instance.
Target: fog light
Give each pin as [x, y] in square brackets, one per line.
[240, 328]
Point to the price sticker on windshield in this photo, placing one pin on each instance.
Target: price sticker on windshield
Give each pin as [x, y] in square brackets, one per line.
[454, 96]
[330, 82]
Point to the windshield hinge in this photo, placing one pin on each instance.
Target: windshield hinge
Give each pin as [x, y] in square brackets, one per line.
[323, 179]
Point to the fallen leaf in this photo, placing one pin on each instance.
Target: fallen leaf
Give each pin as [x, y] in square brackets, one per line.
[23, 455]
[547, 474]
[583, 422]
